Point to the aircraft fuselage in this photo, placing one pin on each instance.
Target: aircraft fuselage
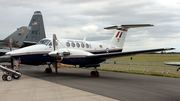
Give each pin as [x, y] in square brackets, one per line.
[79, 49]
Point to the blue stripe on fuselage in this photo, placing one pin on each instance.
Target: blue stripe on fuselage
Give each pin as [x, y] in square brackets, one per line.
[39, 59]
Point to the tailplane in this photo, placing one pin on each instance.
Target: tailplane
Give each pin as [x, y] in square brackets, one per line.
[120, 33]
[37, 29]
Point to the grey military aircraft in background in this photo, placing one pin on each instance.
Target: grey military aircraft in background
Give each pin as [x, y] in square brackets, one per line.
[37, 29]
[25, 36]
[16, 39]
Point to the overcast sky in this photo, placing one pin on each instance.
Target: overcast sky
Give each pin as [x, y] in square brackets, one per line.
[80, 18]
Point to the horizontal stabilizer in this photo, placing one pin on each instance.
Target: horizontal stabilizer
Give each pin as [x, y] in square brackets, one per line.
[128, 26]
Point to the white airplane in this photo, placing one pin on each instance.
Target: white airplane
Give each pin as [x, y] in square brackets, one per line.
[78, 52]
[173, 64]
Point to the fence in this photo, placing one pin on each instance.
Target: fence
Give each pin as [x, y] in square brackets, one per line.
[143, 66]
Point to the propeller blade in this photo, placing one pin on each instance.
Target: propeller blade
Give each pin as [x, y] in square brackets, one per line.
[54, 41]
[52, 53]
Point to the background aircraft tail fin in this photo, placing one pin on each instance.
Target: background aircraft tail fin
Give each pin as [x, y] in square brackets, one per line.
[18, 36]
[120, 33]
[37, 29]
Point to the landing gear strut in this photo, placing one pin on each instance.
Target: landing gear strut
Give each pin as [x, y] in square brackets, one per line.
[94, 73]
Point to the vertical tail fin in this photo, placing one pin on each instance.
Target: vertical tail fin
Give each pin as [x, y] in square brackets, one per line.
[37, 29]
[18, 36]
[120, 33]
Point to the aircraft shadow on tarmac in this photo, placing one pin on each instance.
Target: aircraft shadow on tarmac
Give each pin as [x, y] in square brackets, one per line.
[78, 74]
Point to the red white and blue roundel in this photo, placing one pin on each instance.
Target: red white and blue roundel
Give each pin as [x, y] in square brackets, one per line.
[118, 35]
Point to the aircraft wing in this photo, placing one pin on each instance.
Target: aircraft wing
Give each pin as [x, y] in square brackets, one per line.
[4, 50]
[119, 54]
[172, 63]
[5, 58]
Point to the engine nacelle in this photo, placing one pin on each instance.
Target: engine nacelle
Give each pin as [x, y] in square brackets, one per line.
[63, 52]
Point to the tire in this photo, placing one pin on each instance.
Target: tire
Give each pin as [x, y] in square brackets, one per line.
[96, 74]
[9, 78]
[15, 76]
[4, 77]
[92, 73]
[48, 70]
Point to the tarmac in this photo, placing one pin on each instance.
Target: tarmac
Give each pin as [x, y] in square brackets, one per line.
[33, 89]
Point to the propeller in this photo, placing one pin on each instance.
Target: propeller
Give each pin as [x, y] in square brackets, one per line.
[54, 47]
[57, 54]
[54, 42]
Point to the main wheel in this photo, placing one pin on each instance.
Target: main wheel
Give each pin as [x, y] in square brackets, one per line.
[96, 73]
[9, 78]
[92, 73]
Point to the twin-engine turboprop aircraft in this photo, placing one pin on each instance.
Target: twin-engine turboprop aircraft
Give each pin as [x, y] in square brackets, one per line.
[78, 52]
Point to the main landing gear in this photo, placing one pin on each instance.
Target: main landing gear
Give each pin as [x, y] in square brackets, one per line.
[48, 70]
[94, 73]
[178, 69]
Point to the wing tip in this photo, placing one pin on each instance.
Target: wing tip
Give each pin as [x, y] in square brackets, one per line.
[169, 48]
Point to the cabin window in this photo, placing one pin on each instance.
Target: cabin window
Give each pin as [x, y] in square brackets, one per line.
[67, 44]
[90, 46]
[100, 46]
[82, 45]
[44, 41]
[72, 44]
[87, 46]
[78, 45]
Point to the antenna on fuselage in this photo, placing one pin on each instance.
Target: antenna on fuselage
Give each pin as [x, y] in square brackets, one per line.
[84, 38]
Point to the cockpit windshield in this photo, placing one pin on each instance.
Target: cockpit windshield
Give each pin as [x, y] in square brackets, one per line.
[44, 41]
